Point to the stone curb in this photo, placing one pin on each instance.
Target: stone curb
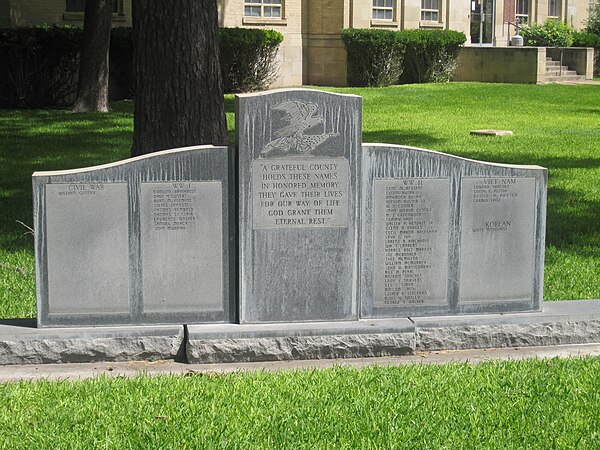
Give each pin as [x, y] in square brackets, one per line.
[22, 343]
[560, 323]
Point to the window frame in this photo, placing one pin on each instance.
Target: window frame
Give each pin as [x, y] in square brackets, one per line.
[557, 9]
[391, 9]
[435, 13]
[519, 15]
[262, 5]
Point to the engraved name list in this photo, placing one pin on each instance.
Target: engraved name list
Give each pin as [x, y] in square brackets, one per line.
[411, 241]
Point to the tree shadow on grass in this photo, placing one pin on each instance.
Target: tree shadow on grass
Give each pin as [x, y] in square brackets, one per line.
[229, 104]
[405, 138]
[55, 140]
[50, 140]
[524, 158]
[21, 323]
[572, 223]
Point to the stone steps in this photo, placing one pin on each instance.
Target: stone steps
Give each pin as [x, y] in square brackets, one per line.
[558, 79]
[556, 73]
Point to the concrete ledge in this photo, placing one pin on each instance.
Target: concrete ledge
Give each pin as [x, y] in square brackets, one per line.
[294, 341]
[22, 343]
[559, 323]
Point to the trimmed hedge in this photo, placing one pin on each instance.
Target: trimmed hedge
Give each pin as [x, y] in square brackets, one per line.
[375, 57]
[39, 65]
[248, 58]
[121, 60]
[431, 55]
[384, 57]
[589, 40]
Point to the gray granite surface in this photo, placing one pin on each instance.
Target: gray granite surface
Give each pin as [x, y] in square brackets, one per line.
[22, 343]
[448, 235]
[559, 323]
[140, 241]
[279, 342]
[299, 161]
[563, 322]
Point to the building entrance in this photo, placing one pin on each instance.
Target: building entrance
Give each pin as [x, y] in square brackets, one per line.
[482, 22]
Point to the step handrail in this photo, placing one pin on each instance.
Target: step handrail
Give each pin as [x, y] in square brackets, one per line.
[518, 27]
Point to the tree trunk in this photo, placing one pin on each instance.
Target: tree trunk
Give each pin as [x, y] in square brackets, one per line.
[92, 86]
[178, 87]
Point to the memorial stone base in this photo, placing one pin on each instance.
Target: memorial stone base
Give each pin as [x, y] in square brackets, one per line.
[559, 323]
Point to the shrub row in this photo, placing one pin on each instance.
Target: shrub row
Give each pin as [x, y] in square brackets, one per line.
[384, 57]
[374, 57]
[248, 58]
[551, 33]
[589, 40]
[592, 27]
[39, 65]
[431, 55]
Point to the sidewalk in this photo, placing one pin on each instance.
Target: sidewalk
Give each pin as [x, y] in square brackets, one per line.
[592, 82]
[79, 371]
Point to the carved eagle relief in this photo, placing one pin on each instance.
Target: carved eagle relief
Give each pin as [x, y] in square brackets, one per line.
[291, 139]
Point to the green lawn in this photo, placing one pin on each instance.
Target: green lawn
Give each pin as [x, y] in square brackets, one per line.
[536, 404]
[555, 126]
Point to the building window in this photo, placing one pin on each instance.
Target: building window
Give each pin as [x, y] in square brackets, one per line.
[430, 10]
[554, 9]
[522, 11]
[383, 9]
[262, 8]
[79, 6]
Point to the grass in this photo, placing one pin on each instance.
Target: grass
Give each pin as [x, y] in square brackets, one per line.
[526, 404]
[555, 126]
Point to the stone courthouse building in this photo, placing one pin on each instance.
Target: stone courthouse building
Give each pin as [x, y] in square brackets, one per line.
[312, 51]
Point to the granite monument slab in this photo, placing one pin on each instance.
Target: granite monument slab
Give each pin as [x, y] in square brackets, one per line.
[140, 241]
[448, 235]
[299, 164]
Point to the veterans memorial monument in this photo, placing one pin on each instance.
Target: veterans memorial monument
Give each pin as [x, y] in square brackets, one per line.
[304, 243]
[149, 240]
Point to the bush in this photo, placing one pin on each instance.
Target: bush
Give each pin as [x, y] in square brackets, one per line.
[431, 55]
[589, 40]
[374, 57]
[248, 58]
[384, 57]
[551, 33]
[593, 21]
[39, 65]
[121, 61]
